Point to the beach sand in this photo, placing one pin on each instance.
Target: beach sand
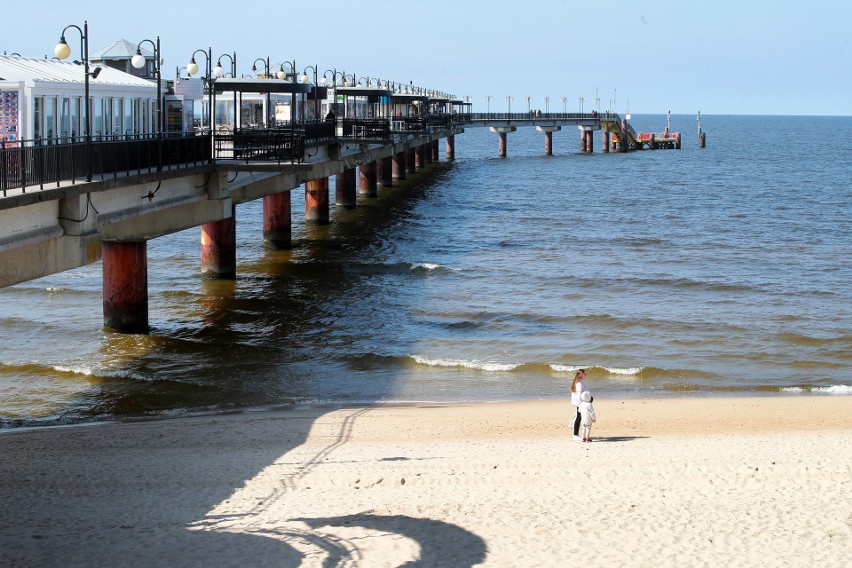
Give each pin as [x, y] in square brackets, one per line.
[677, 482]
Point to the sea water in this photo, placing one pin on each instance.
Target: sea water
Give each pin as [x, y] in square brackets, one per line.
[692, 272]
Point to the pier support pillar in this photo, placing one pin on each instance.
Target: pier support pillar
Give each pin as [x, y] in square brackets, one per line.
[410, 161]
[587, 140]
[316, 201]
[451, 147]
[420, 157]
[436, 151]
[503, 131]
[605, 141]
[125, 284]
[548, 137]
[384, 173]
[277, 227]
[344, 192]
[367, 180]
[219, 248]
[398, 165]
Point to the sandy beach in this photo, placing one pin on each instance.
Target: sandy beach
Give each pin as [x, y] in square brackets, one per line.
[678, 482]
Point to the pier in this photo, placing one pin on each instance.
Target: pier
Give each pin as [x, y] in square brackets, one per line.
[70, 200]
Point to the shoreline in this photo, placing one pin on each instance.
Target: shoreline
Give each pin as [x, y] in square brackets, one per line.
[6, 424]
[754, 481]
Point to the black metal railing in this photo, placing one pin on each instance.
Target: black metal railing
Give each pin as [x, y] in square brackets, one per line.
[319, 132]
[278, 144]
[408, 124]
[438, 120]
[37, 163]
[533, 116]
[366, 128]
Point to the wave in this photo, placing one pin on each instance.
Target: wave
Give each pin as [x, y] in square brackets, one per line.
[833, 389]
[38, 369]
[529, 366]
[462, 363]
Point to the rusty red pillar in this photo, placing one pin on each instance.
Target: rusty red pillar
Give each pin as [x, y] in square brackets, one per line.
[590, 141]
[316, 201]
[420, 157]
[125, 283]
[605, 142]
[399, 160]
[219, 248]
[344, 188]
[451, 147]
[583, 141]
[410, 161]
[502, 144]
[384, 173]
[277, 227]
[367, 180]
[548, 143]
[436, 151]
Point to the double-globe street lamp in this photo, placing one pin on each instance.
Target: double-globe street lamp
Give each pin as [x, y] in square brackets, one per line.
[62, 51]
[139, 61]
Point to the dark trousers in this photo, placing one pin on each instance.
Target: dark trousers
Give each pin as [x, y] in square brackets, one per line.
[577, 424]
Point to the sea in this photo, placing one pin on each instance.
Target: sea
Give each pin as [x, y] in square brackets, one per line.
[699, 272]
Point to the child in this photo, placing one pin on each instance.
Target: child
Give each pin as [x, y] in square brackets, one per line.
[587, 415]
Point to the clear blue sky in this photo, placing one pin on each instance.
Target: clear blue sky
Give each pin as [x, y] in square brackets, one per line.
[719, 57]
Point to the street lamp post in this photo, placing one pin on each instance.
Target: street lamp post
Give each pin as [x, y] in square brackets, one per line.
[265, 63]
[509, 100]
[62, 51]
[528, 99]
[564, 105]
[306, 79]
[324, 80]
[488, 99]
[192, 69]
[546, 105]
[139, 61]
[581, 104]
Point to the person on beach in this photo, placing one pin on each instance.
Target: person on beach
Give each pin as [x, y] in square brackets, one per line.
[587, 415]
[578, 387]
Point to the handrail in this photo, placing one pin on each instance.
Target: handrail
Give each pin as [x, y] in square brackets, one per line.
[40, 162]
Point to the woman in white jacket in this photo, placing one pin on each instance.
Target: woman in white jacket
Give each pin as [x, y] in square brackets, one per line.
[578, 387]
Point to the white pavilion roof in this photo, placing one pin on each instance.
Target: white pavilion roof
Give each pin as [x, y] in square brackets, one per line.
[14, 68]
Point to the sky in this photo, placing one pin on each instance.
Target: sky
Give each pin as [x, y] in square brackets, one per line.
[638, 56]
